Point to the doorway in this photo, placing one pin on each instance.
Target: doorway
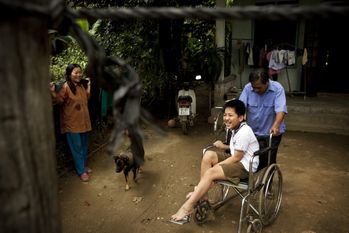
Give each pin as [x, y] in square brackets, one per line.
[328, 49]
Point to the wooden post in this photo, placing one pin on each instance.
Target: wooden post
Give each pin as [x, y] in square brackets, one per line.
[28, 178]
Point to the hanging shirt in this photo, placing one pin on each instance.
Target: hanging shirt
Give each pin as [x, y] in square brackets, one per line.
[275, 62]
[249, 51]
[305, 57]
[291, 58]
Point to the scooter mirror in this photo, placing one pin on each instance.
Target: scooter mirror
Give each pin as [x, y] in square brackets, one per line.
[197, 77]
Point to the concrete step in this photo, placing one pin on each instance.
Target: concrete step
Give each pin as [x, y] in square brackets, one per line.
[325, 113]
[322, 114]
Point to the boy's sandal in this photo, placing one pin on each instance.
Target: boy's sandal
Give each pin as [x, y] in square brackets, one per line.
[182, 221]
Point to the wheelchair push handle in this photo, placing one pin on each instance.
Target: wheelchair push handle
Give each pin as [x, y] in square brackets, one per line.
[268, 137]
[215, 123]
[265, 149]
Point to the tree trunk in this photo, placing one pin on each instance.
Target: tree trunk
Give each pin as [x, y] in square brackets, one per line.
[28, 177]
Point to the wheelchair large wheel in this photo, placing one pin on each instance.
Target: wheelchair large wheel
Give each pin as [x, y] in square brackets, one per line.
[270, 194]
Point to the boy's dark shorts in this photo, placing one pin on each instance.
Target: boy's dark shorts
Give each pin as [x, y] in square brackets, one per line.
[234, 172]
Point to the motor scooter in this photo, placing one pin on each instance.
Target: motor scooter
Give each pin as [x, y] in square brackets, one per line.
[184, 112]
[186, 103]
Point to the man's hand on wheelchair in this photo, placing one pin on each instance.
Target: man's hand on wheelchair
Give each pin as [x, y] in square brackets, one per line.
[275, 131]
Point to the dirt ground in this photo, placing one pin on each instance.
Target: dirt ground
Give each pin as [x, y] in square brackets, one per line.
[315, 187]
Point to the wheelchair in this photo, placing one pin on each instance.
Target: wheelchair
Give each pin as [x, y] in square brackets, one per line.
[260, 193]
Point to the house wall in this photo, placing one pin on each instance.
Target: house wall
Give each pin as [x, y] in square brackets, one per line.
[243, 31]
[290, 78]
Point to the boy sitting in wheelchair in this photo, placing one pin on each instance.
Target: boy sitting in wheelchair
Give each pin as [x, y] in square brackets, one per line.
[218, 164]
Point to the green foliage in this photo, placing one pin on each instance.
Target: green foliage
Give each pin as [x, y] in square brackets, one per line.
[139, 43]
[73, 54]
[57, 39]
[229, 3]
[211, 65]
[205, 57]
[83, 23]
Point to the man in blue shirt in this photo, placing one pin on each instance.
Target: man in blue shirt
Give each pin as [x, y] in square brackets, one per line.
[265, 103]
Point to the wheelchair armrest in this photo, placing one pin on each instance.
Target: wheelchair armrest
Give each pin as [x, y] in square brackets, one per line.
[206, 148]
[262, 151]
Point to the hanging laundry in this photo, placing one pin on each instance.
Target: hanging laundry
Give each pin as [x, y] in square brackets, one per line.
[249, 51]
[305, 57]
[283, 56]
[274, 60]
[291, 58]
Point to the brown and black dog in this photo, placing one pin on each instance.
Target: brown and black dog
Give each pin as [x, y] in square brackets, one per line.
[125, 163]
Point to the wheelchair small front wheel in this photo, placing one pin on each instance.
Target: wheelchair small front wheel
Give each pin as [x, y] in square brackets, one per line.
[201, 212]
[255, 226]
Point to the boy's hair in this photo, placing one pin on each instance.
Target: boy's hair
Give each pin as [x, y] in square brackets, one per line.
[236, 104]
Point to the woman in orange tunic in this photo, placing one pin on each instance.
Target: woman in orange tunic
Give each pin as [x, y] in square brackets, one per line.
[74, 116]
